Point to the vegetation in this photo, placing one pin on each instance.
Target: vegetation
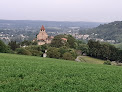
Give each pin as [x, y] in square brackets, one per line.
[91, 60]
[107, 62]
[119, 46]
[68, 56]
[13, 45]
[110, 31]
[104, 51]
[23, 51]
[3, 47]
[30, 74]
[53, 52]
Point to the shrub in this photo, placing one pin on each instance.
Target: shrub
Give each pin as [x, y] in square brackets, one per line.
[107, 63]
[3, 47]
[23, 51]
[13, 45]
[36, 53]
[68, 56]
[63, 50]
[53, 52]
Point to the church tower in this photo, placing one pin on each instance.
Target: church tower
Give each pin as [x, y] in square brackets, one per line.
[42, 38]
[42, 34]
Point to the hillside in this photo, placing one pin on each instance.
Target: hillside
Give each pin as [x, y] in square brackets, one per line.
[110, 31]
[91, 60]
[37, 23]
[29, 74]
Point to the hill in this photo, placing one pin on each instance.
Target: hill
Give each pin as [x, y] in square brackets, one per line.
[29, 74]
[110, 31]
[37, 23]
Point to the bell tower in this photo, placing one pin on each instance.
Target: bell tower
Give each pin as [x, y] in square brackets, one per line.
[42, 28]
[42, 34]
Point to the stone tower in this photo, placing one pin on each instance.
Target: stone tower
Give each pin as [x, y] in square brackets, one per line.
[42, 34]
[42, 38]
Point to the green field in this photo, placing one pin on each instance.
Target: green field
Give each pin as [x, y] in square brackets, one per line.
[91, 60]
[34, 74]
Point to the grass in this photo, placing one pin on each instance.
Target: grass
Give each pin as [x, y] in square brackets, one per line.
[34, 74]
[118, 45]
[91, 60]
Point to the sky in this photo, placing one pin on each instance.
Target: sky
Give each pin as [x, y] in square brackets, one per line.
[62, 10]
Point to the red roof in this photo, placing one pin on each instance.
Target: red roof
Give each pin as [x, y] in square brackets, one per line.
[42, 28]
[64, 39]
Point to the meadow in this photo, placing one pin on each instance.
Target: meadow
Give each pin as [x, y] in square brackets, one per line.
[19, 73]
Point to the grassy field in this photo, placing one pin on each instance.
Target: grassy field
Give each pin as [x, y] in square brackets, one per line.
[34, 74]
[91, 60]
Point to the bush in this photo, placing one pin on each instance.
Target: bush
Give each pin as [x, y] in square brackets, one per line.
[107, 63]
[63, 50]
[13, 45]
[53, 52]
[68, 56]
[23, 51]
[36, 53]
[3, 47]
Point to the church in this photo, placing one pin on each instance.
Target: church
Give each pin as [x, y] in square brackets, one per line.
[43, 38]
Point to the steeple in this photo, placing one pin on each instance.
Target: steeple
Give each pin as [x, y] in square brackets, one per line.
[42, 28]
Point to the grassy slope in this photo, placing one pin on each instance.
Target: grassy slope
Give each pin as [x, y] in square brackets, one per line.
[28, 74]
[118, 45]
[91, 60]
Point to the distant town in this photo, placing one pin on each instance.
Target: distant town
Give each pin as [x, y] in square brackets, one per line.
[18, 31]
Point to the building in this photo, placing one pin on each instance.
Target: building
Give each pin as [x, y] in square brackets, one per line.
[43, 38]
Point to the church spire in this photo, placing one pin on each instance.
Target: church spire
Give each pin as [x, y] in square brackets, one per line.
[42, 28]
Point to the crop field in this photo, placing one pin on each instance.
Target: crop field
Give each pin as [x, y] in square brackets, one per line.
[34, 74]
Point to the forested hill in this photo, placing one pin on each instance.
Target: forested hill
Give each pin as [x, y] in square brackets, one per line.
[110, 31]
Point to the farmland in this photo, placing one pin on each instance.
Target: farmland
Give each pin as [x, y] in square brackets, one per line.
[19, 73]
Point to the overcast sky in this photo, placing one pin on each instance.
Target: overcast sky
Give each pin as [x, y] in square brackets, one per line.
[62, 10]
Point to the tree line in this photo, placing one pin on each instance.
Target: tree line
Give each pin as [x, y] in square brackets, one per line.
[104, 51]
[67, 49]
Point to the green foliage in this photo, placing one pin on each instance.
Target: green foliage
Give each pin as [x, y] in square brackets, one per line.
[19, 73]
[72, 42]
[44, 47]
[33, 47]
[107, 62]
[84, 48]
[23, 51]
[63, 49]
[36, 53]
[27, 43]
[68, 56]
[118, 45]
[57, 41]
[53, 52]
[35, 50]
[3, 47]
[110, 31]
[73, 52]
[103, 51]
[13, 45]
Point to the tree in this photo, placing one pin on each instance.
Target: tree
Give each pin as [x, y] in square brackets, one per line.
[57, 41]
[3, 47]
[72, 42]
[68, 56]
[62, 50]
[13, 45]
[53, 52]
[104, 51]
[23, 51]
